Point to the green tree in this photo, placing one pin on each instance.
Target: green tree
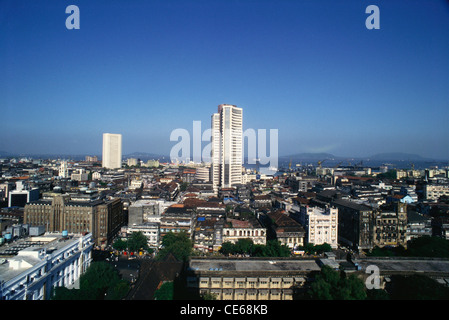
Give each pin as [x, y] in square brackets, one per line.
[100, 281]
[178, 244]
[98, 278]
[351, 288]
[227, 248]
[310, 248]
[274, 248]
[330, 284]
[244, 246]
[427, 246]
[120, 245]
[137, 241]
[165, 292]
[417, 287]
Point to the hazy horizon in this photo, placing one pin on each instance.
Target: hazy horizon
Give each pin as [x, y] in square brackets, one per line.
[310, 69]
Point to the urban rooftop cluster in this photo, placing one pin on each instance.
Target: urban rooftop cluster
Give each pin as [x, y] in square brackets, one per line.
[351, 210]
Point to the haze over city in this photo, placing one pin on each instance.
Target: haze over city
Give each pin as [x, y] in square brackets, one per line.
[310, 69]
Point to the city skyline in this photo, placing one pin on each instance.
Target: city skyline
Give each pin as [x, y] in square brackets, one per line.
[312, 70]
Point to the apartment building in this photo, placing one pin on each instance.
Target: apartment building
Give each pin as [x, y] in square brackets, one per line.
[320, 224]
[251, 228]
[31, 267]
[355, 224]
[390, 226]
[286, 230]
[435, 191]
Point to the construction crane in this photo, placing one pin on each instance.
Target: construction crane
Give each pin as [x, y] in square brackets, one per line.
[320, 162]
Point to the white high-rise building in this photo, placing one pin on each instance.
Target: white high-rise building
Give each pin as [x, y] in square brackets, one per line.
[63, 170]
[227, 134]
[112, 151]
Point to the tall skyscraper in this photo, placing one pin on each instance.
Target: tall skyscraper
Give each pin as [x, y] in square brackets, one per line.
[112, 151]
[227, 131]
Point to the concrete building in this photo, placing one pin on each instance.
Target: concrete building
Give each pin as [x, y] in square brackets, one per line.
[390, 226]
[355, 224]
[102, 218]
[112, 151]
[234, 229]
[249, 279]
[208, 233]
[22, 195]
[131, 162]
[177, 218]
[227, 146]
[286, 230]
[203, 173]
[80, 175]
[150, 230]
[143, 211]
[63, 170]
[321, 225]
[418, 225]
[30, 268]
[435, 191]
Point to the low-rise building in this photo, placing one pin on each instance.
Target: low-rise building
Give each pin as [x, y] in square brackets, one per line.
[234, 230]
[286, 230]
[149, 229]
[177, 218]
[249, 279]
[208, 233]
[418, 225]
[435, 191]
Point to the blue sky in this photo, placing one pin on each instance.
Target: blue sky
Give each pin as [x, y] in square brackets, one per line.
[309, 68]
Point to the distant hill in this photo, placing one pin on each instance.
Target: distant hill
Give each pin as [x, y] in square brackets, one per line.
[399, 156]
[388, 156]
[311, 156]
[145, 156]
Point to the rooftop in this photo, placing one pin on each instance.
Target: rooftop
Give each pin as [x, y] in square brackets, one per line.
[18, 256]
[253, 265]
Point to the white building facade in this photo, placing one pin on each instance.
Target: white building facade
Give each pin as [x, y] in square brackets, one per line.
[112, 151]
[321, 225]
[435, 191]
[33, 272]
[227, 146]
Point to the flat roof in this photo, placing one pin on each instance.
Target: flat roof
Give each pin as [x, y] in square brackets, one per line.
[352, 205]
[21, 251]
[254, 265]
[398, 265]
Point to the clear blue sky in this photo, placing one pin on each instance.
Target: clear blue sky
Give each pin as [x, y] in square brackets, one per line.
[309, 68]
